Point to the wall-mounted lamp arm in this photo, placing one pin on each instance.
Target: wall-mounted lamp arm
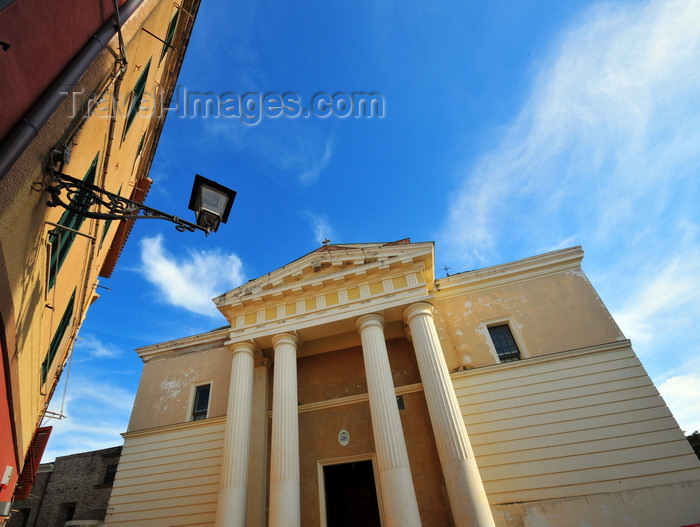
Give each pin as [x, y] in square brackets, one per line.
[80, 197]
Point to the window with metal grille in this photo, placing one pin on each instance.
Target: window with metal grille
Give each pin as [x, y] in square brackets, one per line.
[201, 402]
[505, 345]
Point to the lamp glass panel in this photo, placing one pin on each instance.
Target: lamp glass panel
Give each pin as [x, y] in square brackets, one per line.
[213, 200]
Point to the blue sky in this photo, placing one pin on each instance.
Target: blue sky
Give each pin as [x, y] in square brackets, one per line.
[509, 129]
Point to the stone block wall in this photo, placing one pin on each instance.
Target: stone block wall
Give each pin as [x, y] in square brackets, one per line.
[75, 487]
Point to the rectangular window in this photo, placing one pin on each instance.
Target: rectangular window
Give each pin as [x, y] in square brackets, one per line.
[200, 407]
[62, 239]
[57, 338]
[67, 512]
[110, 473]
[170, 34]
[505, 345]
[137, 97]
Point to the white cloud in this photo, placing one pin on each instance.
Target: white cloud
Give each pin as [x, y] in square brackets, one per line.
[604, 153]
[317, 167]
[190, 282]
[88, 344]
[682, 394]
[321, 226]
[608, 128]
[97, 413]
[281, 147]
[664, 303]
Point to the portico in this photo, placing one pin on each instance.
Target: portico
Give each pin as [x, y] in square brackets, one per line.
[347, 304]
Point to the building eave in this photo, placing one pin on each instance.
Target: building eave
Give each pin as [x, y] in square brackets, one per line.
[512, 272]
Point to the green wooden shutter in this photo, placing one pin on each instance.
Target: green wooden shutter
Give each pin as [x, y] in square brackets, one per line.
[61, 239]
[137, 97]
[57, 338]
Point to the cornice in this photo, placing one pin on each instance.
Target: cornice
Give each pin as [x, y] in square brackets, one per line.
[540, 359]
[512, 272]
[319, 317]
[322, 269]
[202, 342]
[200, 425]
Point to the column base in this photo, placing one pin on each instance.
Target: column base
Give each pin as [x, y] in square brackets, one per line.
[398, 498]
[231, 510]
[284, 504]
[470, 508]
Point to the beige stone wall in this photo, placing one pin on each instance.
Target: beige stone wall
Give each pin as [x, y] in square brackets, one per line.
[166, 389]
[670, 505]
[168, 477]
[571, 424]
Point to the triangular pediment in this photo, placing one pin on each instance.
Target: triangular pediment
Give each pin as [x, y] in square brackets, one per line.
[331, 277]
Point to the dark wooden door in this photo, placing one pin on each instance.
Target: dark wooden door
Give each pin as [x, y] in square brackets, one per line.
[351, 495]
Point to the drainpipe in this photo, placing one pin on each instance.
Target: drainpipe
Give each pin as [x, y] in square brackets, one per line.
[24, 132]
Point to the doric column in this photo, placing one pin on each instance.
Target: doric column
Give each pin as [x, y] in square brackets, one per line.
[284, 451]
[398, 495]
[233, 482]
[465, 489]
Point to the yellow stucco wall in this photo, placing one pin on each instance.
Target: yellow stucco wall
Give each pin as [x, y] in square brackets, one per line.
[549, 314]
[166, 389]
[32, 311]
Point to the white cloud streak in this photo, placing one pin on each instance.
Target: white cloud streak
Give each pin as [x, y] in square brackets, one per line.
[682, 394]
[97, 413]
[321, 227]
[286, 147]
[604, 153]
[89, 346]
[608, 127]
[190, 282]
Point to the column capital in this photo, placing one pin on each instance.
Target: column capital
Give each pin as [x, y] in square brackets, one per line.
[419, 308]
[285, 338]
[365, 321]
[243, 347]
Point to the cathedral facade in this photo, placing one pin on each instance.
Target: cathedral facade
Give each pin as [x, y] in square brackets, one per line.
[353, 387]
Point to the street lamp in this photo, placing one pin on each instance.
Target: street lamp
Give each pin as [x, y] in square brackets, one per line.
[210, 201]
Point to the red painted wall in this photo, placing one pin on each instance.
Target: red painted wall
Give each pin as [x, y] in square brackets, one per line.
[44, 36]
[8, 456]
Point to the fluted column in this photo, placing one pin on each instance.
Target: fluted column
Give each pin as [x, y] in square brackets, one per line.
[233, 482]
[470, 507]
[398, 495]
[284, 451]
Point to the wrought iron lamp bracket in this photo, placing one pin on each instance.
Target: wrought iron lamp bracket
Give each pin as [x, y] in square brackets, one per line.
[82, 197]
